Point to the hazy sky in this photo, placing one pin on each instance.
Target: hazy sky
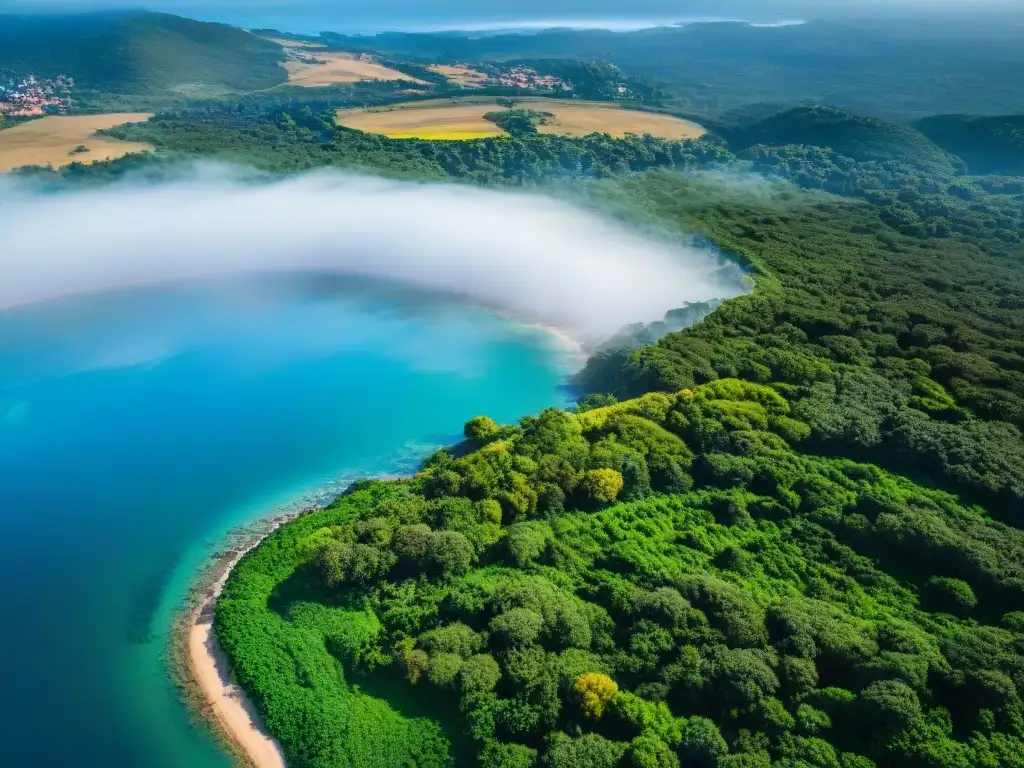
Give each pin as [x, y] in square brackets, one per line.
[507, 8]
[538, 258]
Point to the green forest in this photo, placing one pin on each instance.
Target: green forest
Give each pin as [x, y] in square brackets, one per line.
[122, 60]
[667, 581]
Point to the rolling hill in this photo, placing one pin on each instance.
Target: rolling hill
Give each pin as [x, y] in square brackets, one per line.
[986, 144]
[864, 139]
[139, 54]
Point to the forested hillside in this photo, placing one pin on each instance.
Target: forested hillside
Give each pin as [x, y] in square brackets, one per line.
[139, 55]
[665, 582]
[896, 69]
[900, 349]
[986, 144]
[864, 138]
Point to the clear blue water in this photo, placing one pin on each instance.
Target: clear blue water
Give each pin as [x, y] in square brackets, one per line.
[137, 428]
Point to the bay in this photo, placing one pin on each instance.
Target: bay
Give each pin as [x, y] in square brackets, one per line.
[138, 428]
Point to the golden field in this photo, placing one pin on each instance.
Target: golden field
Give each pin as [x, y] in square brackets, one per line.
[463, 76]
[339, 68]
[464, 119]
[51, 140]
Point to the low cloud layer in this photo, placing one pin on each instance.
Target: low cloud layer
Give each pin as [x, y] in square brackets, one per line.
[537, 258]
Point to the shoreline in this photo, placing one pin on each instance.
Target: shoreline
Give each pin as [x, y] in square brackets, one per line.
[199, 666]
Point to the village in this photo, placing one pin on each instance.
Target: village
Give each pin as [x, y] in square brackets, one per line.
[30, 96]
[524, 77]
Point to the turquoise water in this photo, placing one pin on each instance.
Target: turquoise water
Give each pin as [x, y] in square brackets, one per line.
[136, 429]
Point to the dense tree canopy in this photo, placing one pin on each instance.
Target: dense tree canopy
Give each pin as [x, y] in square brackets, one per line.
[785, 610]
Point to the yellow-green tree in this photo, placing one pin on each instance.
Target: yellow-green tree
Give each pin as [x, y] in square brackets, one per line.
[603, 485]
[480, 428]
[595, 691]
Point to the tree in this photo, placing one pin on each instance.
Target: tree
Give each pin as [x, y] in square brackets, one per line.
[478, 676]
[449, 553]
[889, 705]
[442, 668]
[648, 751]
[495, 754]
[517, 627]
[481, 428]
[526, 542]
[588, 751]
[702, 743]
[595, 691]
[602, 485]
[454, 638]
[595, 400]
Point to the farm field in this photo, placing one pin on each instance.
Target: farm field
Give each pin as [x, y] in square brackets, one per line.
[53, 140]
[464, 119]
[464, 76]
[339, 68]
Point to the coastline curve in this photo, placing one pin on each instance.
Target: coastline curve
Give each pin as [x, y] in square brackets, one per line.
[203, 668]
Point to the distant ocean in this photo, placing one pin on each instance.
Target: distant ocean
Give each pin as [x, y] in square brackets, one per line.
[312, 18]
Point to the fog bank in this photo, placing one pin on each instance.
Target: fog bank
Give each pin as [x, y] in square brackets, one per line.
[540, 259]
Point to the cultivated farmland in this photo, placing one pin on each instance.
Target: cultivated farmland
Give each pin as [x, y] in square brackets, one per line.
[458, 75]
[464, 119]
[60, 140]
[313, 68]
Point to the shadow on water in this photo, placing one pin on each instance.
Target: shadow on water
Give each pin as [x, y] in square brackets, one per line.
[144, 603]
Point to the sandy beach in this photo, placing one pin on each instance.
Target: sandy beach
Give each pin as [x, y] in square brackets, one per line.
[221, 702]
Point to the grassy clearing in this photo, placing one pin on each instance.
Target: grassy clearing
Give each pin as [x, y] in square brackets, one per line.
[464, 119]
[56, 140]
[339, 68]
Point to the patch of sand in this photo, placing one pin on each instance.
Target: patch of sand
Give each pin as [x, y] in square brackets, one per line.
[339, 68]
[225, 701]
[52, 140]
[463, 76]
[464, 119]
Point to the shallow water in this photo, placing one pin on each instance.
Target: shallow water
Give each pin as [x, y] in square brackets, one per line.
[137, 428]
